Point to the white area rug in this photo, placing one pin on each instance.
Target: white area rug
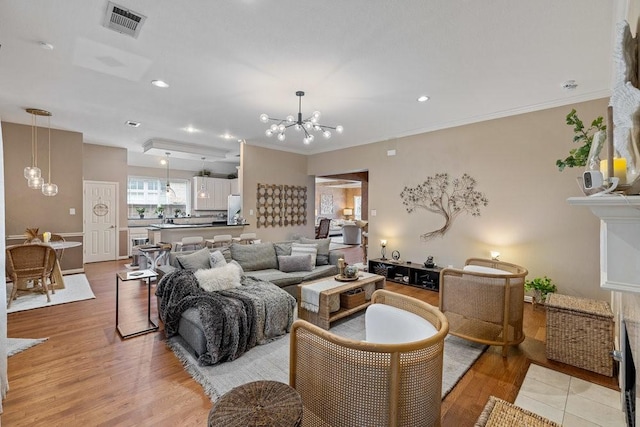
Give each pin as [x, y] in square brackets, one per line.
[16, 345]
[271, 361]
[77, 288]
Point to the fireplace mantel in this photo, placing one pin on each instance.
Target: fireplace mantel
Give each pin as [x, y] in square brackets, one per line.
[619, 239]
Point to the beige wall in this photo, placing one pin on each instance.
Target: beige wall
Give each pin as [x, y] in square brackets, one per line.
[513, 160]
[264, 166]
[25, 207]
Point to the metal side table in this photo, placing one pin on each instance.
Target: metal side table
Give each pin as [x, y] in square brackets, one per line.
[126, 276]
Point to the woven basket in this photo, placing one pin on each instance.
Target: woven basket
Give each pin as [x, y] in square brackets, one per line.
[580, 333]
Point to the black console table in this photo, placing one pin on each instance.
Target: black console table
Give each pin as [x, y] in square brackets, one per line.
[407, 273]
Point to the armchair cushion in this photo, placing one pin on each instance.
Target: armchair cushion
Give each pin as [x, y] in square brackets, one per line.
[385, 324]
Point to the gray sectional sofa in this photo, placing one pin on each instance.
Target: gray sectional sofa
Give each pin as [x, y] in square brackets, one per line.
[271, 262]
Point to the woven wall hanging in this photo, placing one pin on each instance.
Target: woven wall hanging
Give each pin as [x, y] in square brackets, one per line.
[281, 205]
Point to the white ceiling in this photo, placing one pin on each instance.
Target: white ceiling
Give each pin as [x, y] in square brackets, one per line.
[362, 63]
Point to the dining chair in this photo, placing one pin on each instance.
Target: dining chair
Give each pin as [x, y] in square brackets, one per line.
[323, 228]
[195, 242]
[30, 262]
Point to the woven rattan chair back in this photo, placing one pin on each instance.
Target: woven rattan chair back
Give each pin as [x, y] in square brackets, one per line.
[29, 262]
[485, 307]
[349, 382]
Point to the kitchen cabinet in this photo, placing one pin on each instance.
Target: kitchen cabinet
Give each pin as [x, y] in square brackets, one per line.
[219, 190]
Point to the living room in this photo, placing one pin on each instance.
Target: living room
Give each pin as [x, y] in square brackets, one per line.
[512, 158]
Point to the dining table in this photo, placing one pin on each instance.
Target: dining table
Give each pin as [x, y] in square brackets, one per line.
[58, 246]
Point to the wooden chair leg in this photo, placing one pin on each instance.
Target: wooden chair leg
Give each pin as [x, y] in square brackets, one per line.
[46, 288]
[14, 293]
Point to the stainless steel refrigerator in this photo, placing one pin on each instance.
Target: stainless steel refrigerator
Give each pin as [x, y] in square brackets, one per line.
[234, 209]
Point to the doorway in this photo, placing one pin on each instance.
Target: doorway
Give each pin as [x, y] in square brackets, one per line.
[100, 221]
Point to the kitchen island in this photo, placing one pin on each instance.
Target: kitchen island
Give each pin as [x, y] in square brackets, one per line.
[171, 233]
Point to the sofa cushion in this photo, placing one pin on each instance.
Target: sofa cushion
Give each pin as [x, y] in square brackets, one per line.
[219, 279]
[195, 260]
[255, 257]
[295, 263]
[278, 277]
[304, 249]
[323, 249]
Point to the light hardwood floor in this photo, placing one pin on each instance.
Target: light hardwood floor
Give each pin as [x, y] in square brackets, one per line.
[85, 375]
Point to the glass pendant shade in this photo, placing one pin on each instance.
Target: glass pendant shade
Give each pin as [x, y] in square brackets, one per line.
[36, 183]
[49, 189]
[203, 193]
[32, 172]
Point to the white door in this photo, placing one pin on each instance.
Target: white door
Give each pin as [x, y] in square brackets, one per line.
[100, 221]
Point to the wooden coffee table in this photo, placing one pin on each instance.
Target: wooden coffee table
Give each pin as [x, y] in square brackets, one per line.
[332, 287]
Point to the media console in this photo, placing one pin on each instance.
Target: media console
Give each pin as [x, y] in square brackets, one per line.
[407, 273]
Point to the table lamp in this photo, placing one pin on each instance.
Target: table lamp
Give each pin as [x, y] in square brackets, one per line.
[383, 243]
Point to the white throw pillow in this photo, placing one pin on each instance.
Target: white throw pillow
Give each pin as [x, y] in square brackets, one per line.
[304, 249]
[219, 279]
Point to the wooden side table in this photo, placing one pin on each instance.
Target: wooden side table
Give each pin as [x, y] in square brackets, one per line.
[259, 403]
[126, 276]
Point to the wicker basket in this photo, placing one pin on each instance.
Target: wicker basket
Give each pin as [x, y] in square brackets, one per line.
[352, 298]
[580, 333]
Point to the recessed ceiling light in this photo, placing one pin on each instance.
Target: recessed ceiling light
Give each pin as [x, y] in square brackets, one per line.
[46, 46]
[423, 98]
[159, 83]
[227, 136]
[132, 123]
[191, 129]
[163, 161]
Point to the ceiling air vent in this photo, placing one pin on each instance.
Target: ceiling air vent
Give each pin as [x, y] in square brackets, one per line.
[123, 20]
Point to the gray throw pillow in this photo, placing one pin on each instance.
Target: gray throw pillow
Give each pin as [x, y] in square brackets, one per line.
[323, 249]
[283, 248]
[217, 259]
[260, 256]
[291, 263]
[196, 260]
[304, 249]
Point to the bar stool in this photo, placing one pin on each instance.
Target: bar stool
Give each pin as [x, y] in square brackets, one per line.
[220, 241]
[194, 241]
[245, 238]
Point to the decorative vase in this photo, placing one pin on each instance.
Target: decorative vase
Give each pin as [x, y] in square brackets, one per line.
[350, 271]
[141, 216]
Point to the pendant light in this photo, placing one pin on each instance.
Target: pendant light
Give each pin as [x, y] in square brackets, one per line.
[171, 194]
[203, 193]
[32, 173]
[49, 189]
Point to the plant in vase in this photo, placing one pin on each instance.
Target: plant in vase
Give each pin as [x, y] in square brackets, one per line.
[578, 156]
[541, 287]
[176, 213]
[160, 211]
[141, 211]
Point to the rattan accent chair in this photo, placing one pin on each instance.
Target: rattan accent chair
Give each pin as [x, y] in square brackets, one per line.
[345, 382]
[30, 262]
[484, 302]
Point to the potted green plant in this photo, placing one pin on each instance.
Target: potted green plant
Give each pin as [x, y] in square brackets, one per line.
[160, 211]
[176, 212]
[541, 287]
[141, 211]
[578, 156]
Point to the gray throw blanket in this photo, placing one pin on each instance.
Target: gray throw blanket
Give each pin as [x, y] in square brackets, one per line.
[234, 320]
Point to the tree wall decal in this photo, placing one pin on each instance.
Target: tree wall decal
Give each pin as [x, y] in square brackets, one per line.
[434, 195]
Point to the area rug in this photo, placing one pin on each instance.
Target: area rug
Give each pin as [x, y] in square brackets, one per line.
[77, 288]
[16, 345]
[271, 361]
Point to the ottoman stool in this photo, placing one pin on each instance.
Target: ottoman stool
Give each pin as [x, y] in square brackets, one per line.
[580, 333]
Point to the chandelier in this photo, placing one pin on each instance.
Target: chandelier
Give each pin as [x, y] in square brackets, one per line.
[33, 174]
[309, 124]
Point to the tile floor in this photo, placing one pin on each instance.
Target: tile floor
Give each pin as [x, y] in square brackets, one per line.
[568, 400]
